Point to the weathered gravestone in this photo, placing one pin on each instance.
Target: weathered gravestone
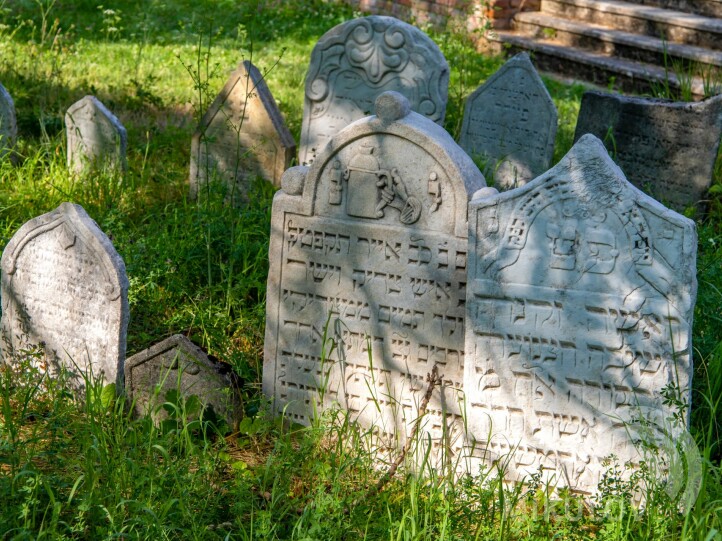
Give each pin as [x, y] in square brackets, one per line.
[64, 286]
[666, 148]
[96, 139]
[178, 364]
[8, 124]
[510, 123]
[356, 61]
[579, 313]
[241, 135]
[368, 249]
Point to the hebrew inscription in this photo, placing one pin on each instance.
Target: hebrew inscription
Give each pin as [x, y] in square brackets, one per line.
[96, 139]
[510, 123]
[356, 61]
[367, 285]
[64, 287]
[241, 135]
[579, 310]
[668, 149]
[8, 124]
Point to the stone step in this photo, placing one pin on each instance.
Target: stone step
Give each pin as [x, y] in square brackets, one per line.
[598, 68]
[710, 8]
[671, 25]
[614, 42]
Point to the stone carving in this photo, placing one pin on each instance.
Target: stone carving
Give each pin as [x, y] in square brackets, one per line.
[579, 313]
[177, 363]
[510, 123]
[8, 124]
[367, 281]
[241, 135]
[96, 138]
[668, 149]
[64, 286]
[356, 61]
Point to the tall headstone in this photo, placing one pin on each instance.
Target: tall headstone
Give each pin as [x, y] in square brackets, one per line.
[356, 61]
[367, 281]
[95, 137]
[178, 364]
[668, 149]
[510, 123]
[64, 286]
[579, 314]
[8, 123]
[241, 135]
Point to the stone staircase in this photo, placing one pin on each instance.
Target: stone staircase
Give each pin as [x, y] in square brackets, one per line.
[638, 46]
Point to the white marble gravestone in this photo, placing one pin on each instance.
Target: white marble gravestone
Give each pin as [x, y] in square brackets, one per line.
[8, 123]
[241, 135]
[579, 313]
[510, 123]
[356, 61]
[176, 363]
[666, 148]
[65, 286]
[368, 249]
[95, 137]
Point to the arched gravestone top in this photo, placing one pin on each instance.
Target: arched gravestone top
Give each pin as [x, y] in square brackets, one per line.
[511, 122]
[8, 123]
[666, 148]
[579, 314]
[368, 248]
[65, 286]
[95, 137]
[242, 134]
[356, 61]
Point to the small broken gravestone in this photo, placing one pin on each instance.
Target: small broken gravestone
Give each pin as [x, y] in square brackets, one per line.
[64, 287]
[579, 315]
[242, 134]
[356, 61]
[510, 123]
[367, 278]
[96, 139]
[8, 123]
[178, 364]
[668, 149]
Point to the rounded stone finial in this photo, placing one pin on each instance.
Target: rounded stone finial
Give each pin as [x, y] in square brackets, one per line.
[293, 179]
[483, 193]
[392, 106]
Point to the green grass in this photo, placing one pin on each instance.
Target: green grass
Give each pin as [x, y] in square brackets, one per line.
[74, 469]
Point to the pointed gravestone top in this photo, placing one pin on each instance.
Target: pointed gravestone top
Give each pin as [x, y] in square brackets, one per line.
[356, 61]
[579, 312]
[96, 139]
[510, 123]
[241, 135]
[8, 124]
[64, 286]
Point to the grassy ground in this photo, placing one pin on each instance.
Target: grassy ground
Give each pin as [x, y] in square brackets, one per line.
[88, 471]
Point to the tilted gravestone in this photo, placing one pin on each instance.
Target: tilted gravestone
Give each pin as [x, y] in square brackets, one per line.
[64, 286]
[95, 137]
[8, 124]
[178, 364]
[356, 61]
[666, 148]
[368, 251]
[579, 313]
[510, 123]
[241, 135]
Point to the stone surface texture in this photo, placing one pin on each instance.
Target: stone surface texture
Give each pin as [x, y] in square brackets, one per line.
[356, 61]
[510, 122]
[579, 313]
[177, 363]
[65, 286]
[242, 134]
[95, 137]
[8, 123]
[371, 255]
[668, 149]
